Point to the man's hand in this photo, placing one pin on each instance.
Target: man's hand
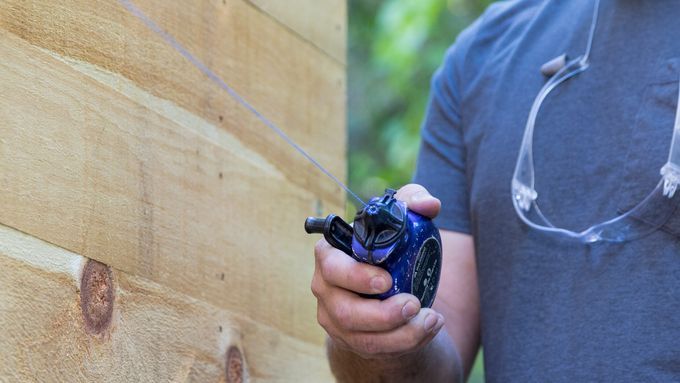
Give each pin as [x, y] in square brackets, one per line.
[372, 328]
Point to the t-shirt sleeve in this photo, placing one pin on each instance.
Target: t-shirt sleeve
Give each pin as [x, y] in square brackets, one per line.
[441, 165]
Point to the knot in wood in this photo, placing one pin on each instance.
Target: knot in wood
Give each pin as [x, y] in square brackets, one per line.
[96, 296]
[234, 365]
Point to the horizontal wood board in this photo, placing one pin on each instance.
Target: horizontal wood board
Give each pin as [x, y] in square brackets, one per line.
[113, 147]
[156, 334]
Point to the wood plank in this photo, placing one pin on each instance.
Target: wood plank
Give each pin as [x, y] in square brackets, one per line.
[95, 164]
[323, 23]
[288, 80]
[156, 334]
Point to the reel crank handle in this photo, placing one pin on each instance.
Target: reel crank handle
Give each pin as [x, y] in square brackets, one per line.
[335, 230]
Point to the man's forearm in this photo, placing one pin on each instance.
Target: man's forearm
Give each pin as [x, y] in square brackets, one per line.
[436, 362]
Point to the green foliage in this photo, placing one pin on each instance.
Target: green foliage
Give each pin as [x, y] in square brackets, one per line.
[394, 48]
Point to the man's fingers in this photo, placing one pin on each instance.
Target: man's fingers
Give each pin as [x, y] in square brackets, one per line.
[370, 327]
[418, 199]
[353, 313]
[339, 269]
[404, 339]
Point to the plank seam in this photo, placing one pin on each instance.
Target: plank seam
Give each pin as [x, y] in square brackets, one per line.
[182, 117]
[296, 33]
[31, 240]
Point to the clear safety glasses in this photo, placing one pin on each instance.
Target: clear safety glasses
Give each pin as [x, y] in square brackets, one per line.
[647, 216]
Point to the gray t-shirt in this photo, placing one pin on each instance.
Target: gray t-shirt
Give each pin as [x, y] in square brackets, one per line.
[552, 309]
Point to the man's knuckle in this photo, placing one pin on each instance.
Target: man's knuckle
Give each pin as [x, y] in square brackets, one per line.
[343, 315]
[322, 318]
[320, 247]
[315, 286]
[327, 269]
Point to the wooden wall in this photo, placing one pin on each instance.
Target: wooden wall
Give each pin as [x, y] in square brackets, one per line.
[116, 149]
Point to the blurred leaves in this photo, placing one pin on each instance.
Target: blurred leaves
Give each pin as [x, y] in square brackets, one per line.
[394, 48]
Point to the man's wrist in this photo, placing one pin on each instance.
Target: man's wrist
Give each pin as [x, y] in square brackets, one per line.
[436, 361]
[348, 366]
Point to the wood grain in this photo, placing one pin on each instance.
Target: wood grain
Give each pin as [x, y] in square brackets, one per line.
[134, 182]
[115, 148]
[284, 77]
[321, 22]
[156, 334]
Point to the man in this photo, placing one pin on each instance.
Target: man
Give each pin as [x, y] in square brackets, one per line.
[549, 307]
